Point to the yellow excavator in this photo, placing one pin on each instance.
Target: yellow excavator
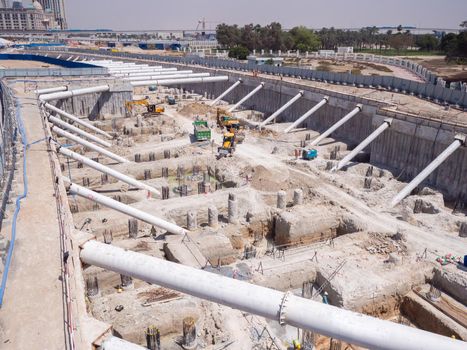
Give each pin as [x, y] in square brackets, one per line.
[232, 124]
[228, 145]
[151, 109]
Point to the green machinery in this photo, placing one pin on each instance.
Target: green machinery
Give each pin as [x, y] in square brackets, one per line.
[202, 131]
[309, 154]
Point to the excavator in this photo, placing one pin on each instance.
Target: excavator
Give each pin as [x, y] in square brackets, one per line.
[228, 145]
[231, 124]
[151, 109]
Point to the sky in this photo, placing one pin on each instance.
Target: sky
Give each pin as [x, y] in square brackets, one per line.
[185, 14]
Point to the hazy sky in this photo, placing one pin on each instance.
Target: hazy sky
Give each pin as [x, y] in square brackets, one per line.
[177, 14]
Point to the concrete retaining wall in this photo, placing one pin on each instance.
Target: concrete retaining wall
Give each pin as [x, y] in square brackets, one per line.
[98, 105]
[405, 149]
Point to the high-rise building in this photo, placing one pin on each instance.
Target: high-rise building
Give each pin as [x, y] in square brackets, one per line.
[57, 7]
[26, 18]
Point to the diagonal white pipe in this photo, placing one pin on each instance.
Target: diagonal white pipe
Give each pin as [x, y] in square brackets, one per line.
[246, 98]
[74, 129]
[459, 141]
[307, 114]
[75, 119]
[386, 124]
[282, 109]
[106, 170]
[180, 81]
[50, 90]
[331, 321]
[114, 343]
[126, 209]
[238, 82]
[336, 126]
[158, 73]
[70, 93]
[147, 71]
[169, 76]
[88, 144]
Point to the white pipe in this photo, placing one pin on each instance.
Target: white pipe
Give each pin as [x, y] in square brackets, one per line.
[74, 129]
[307, 114]
[180, 81]
[336, 126]
[120, 64]
[106, 170]
[171, 76]
[114, 343]
[137, 70]
[386, 124]
[134, 66]
[247, 97]
[459, 141]
[282, 109]
[71, 93]
[76, 119]
[331, 321]
[50, 90]
[238, 82]
[173, 72]
[88, 144]
[129, 71]
[126, 209]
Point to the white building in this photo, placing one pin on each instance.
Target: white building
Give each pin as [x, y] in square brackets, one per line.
[26, 18]
[57, 8]
[274, 61]
[345, 49]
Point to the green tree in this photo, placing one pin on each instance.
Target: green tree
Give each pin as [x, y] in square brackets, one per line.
[227, 36]
[239, 52]
[427, 42]
[455, 46]
[304, 39]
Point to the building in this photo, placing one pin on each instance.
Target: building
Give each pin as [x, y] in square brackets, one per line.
[345, 49]
[27, 19]
[57, 8]
[273, 61]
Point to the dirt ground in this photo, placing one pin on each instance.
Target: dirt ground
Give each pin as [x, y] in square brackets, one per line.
[357, 68]
[12, 64]
[447, 71]
[366, 257]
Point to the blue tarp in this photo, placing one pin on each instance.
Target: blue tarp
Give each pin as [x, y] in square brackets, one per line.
[49, 60]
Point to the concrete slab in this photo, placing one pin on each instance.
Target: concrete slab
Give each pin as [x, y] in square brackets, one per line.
[32, 316]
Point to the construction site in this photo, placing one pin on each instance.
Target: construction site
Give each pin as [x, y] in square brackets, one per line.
[169, 205]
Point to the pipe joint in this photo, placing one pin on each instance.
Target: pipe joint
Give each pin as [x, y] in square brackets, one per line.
[360, 106]
[462, 138]
[283, 308]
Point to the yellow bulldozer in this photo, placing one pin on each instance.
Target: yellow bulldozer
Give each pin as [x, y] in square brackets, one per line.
[231, 124]
[228, 145]
[151, 109]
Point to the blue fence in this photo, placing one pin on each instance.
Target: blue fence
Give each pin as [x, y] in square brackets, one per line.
[45, 59]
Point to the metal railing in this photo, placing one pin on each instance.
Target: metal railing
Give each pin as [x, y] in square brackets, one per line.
[8, 150]
[434, 91]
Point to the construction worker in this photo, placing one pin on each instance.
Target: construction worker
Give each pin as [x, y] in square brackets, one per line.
[296, 345]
